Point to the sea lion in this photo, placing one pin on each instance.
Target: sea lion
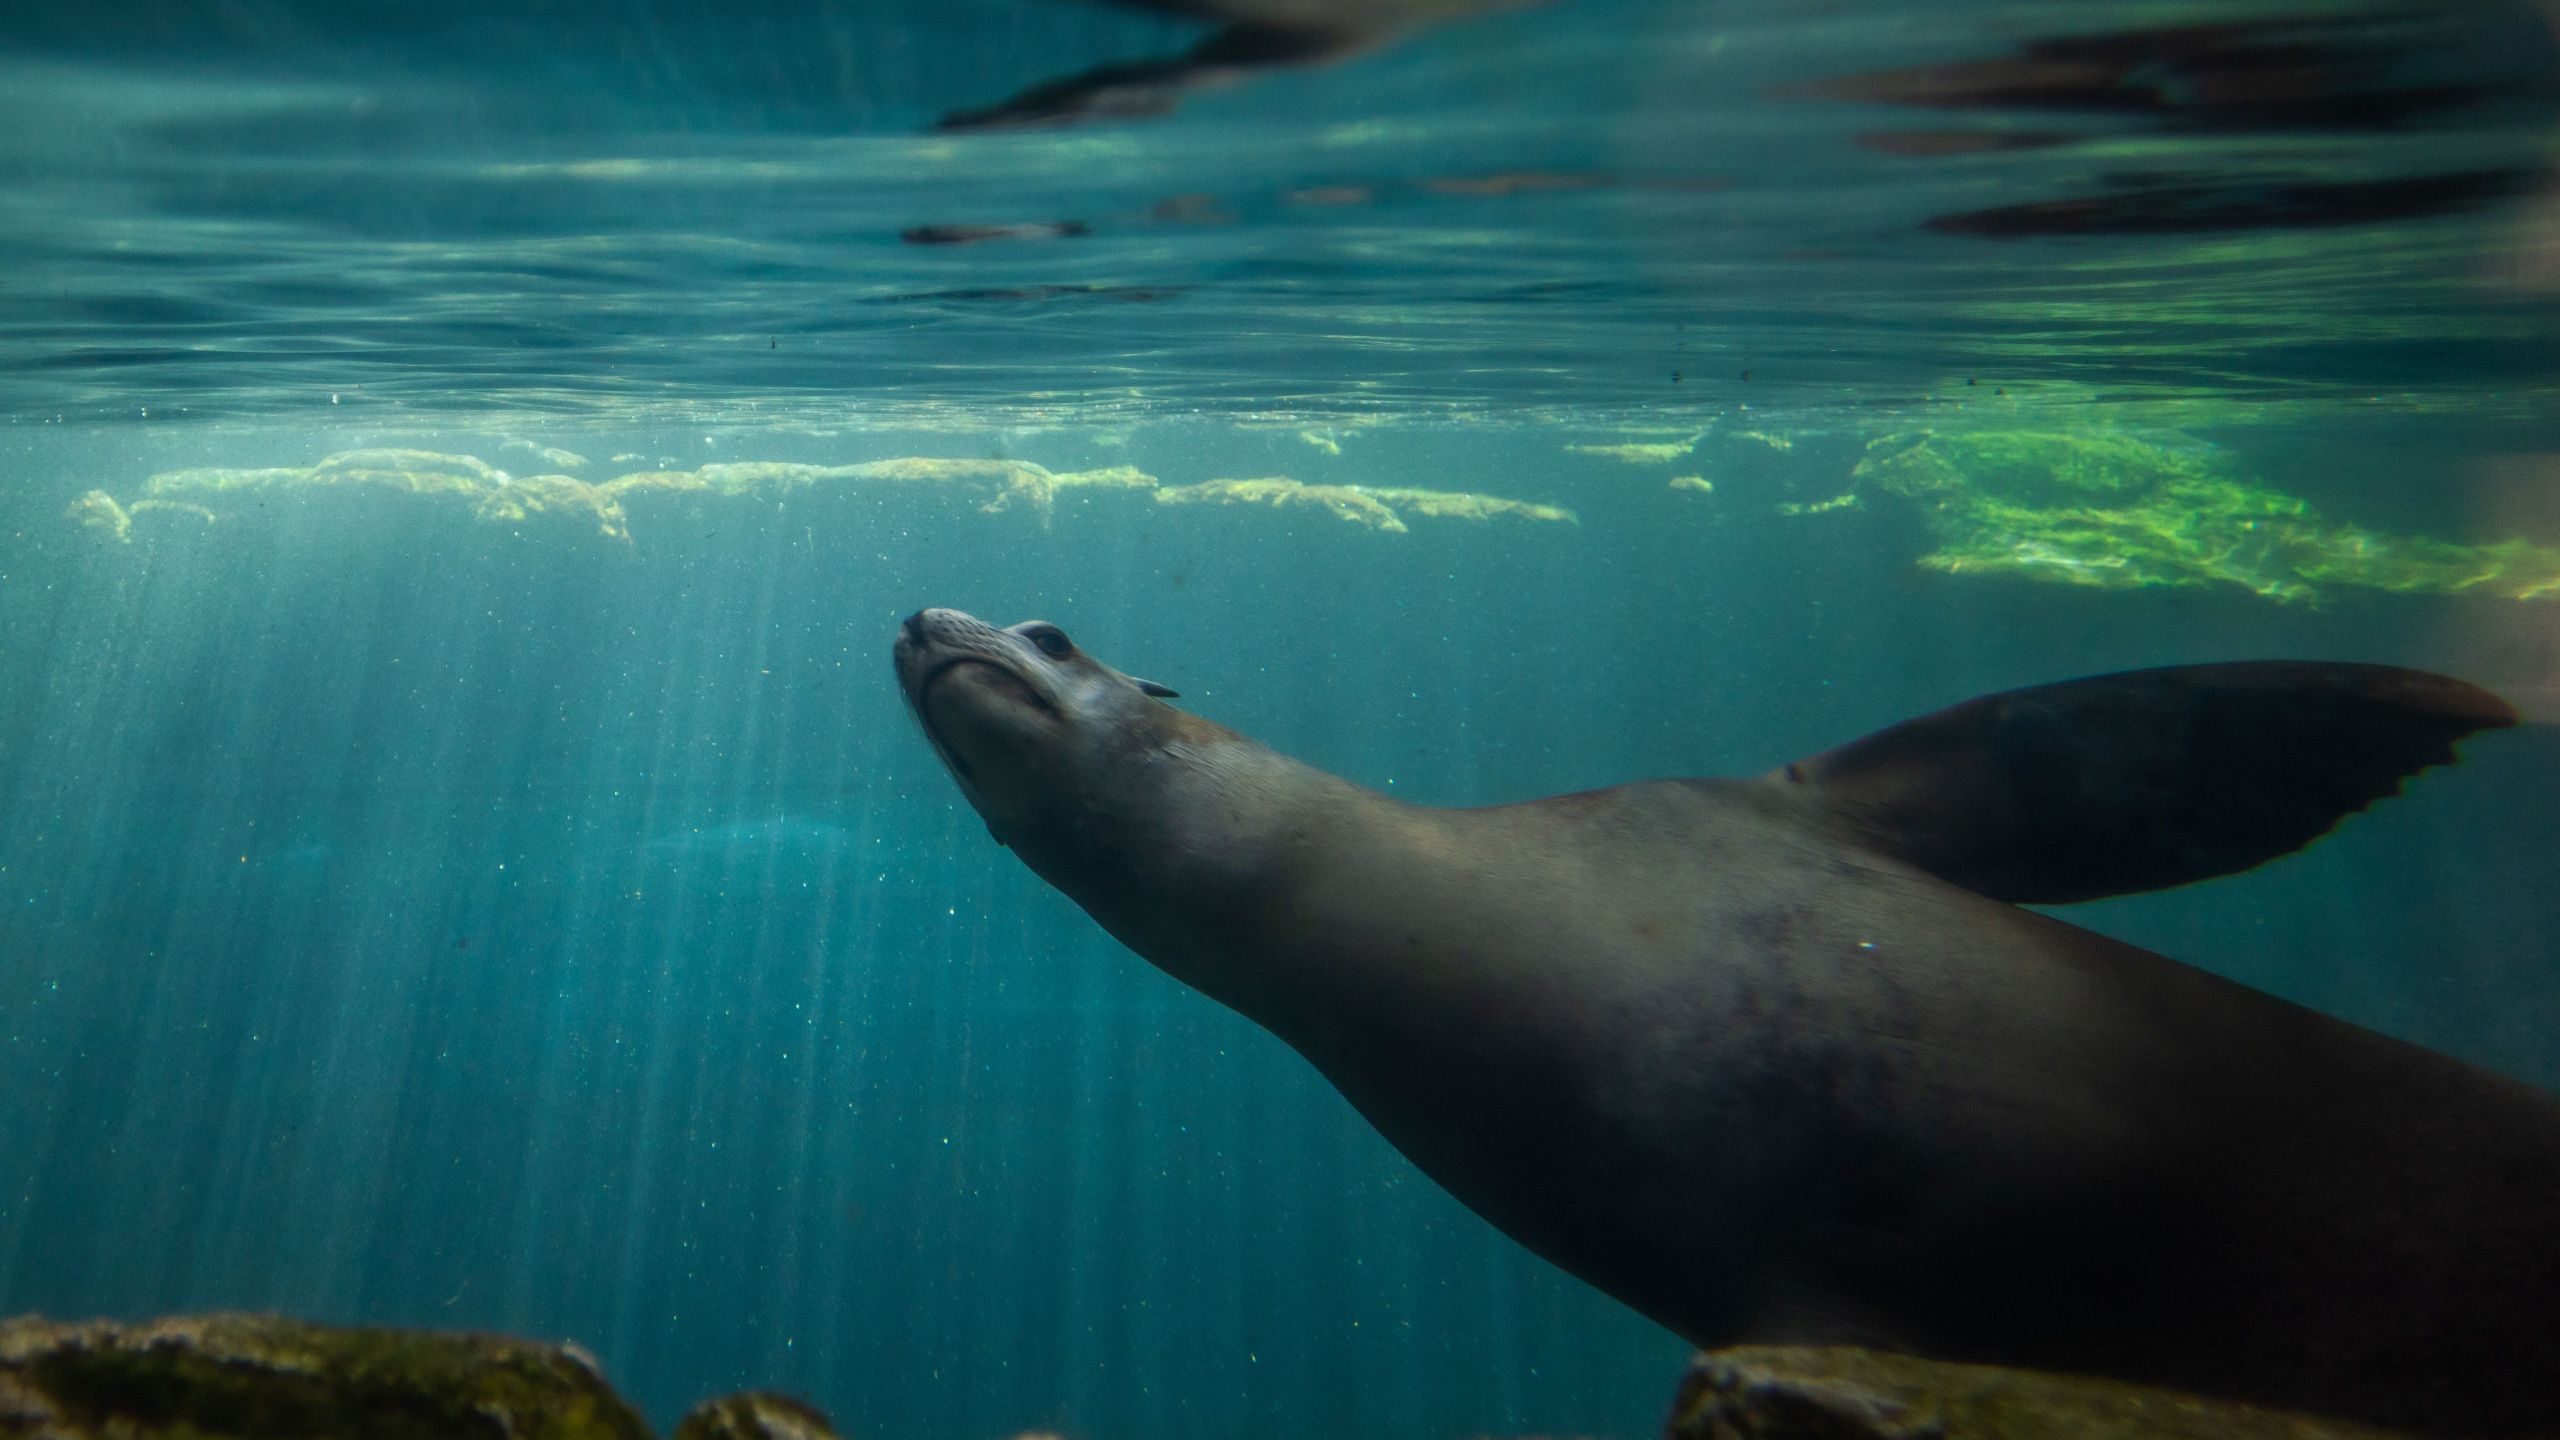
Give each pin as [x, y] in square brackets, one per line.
[1779, 1060]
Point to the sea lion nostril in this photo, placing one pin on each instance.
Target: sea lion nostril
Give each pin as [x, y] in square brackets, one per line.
[914, 627]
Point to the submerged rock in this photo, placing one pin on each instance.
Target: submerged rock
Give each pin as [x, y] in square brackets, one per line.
[1785, 1393]
[754, 1415]
[261, 1377]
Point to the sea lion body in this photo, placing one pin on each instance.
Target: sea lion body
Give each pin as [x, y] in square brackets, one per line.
[1703, 1045]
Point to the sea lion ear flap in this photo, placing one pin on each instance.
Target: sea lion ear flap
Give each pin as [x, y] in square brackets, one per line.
[1161, 692]
[2140, 780]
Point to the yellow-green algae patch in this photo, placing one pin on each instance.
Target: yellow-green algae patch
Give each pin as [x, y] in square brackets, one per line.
[536, 496]
[1848, 501]
[99, 511]
[1372, 506]
[1639, 452]
[256, 1377]
[2120, 511]
[603, 508]
[756, 1415]
[1344, 502]
[551, 455]
[1819, 1393]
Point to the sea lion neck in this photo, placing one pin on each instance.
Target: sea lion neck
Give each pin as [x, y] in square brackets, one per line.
[1197, 846]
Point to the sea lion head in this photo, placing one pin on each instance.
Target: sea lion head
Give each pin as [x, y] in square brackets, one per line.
[1032, 728]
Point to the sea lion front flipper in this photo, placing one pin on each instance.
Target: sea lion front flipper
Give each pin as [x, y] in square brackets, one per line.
[2144, 779]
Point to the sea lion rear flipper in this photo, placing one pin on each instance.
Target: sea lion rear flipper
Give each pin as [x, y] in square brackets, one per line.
[2144, 779]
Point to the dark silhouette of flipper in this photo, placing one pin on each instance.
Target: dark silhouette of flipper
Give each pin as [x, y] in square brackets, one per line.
[1259, 35]
[2144, 779]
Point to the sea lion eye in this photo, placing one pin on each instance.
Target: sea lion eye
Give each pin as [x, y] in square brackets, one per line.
[1053, 643]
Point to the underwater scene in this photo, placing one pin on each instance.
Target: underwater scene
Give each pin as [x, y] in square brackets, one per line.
[469, 863]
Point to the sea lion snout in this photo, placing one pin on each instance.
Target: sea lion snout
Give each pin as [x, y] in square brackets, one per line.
[1024, 719]
[930, 625]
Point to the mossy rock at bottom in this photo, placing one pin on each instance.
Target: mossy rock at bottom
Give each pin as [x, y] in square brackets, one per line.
[259, 1377]
[754, 1415]
[1786, 1393]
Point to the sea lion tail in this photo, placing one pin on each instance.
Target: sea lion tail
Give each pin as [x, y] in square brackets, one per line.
[2144, 779]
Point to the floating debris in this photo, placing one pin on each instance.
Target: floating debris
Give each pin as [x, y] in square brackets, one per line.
[1699, 483]
[2119, 511]
[1321, 441]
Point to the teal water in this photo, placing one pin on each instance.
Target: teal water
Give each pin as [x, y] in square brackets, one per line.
[416, 911]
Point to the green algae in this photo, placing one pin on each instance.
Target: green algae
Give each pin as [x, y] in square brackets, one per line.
[1343, 502]
[1466, 505]
[2120, 511]
[265, 1377]
[98, 511]
[1374, 507]
[754, 1415]
[258, 1377]
[1822, 1393]
[605, 508]
[1639, 452]
[539, 497]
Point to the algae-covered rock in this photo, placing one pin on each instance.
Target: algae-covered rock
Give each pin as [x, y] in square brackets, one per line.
[992, 485]
[258, 1377]
[1345, 502]
[177, 514]
[218, 480]
[418, 472]
[98, 511]
[1639, 452]
[1377, 507]
[754, 1415]
[551, 455]
[1458, 505]
[536, 496]
[2120, 511]
[1782, 1393]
